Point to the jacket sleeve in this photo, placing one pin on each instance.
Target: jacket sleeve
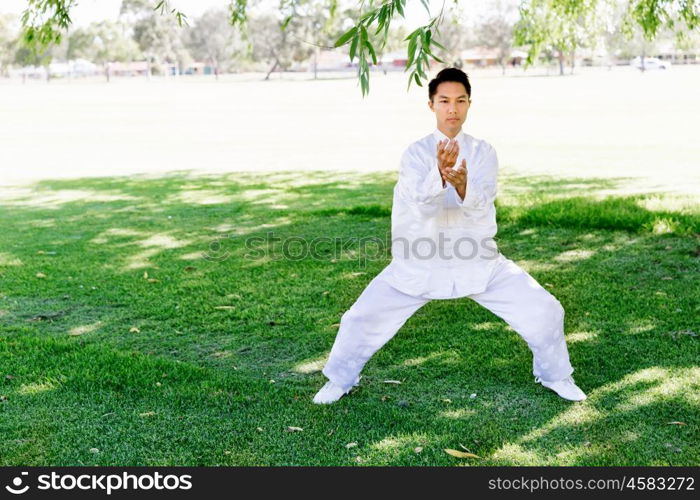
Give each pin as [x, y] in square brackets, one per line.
[419, 184]
[481, 183]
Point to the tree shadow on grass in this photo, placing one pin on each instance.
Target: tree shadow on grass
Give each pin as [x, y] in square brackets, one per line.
[130, 266]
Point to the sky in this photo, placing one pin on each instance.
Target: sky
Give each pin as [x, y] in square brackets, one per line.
[87, 11]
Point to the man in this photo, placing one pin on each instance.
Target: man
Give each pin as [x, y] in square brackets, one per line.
[443, 222]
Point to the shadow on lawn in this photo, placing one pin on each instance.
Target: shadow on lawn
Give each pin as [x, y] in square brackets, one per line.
[124, 267]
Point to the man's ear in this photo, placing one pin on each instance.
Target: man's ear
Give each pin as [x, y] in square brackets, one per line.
[430, 105]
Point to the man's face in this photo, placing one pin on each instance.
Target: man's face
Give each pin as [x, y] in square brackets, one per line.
[450, 105]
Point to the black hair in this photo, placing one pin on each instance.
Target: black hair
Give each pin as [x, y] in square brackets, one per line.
[449, 75]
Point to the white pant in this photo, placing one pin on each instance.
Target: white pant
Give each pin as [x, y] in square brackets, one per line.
[512, 294]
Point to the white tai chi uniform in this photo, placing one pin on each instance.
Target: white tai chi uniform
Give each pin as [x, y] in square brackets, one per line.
[443, 248]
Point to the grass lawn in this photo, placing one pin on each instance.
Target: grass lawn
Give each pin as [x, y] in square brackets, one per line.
[140, 324]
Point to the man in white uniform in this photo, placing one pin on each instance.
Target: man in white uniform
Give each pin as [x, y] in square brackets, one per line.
[443, 222]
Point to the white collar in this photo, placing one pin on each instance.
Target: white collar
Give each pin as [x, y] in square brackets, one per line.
[441, 137]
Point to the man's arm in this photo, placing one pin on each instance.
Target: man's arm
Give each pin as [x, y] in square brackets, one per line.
[423, 189]
[481, 185]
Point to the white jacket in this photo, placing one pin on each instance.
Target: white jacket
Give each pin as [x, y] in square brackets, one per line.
[441, 246]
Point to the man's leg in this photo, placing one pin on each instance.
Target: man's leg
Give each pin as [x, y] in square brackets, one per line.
[375, 317]
[537, 316]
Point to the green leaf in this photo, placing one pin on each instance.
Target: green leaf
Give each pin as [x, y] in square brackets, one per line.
[353, 47]
[369, 46]
[411, 51]
[399, 7]
[346, 36]
[417, 80]
[286, 22]
[413, 33]
[438, 44]
[382, 18]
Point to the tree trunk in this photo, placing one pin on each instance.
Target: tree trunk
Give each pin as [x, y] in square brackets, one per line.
[561, 63]
[315, 63]
[573, 61]
[274, 66]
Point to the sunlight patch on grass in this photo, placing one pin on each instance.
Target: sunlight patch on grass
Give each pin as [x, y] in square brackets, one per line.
[641, 328]
[55, 199]
[668, 203]
[572, 338]
[193, 256]
[312, 366]
[140, 260]
[663, 225]
[116, 232]
[82, 329]
[394, 444]
[7, 259]
[515, 454]
[574, 255]
[261, 195]
[531, 265]
[458, 413]
[36, 388]
[42, 223]
[576, 415]
[486, 325]
[571, 454]
[201, 197]
[164, 241]
[225, 227]
[422, 359]
[666, 385]
[684, 384]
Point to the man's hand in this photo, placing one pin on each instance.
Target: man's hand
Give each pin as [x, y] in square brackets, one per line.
[458, 178]
[447, 153]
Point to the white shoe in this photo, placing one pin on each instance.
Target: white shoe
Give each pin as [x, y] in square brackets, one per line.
[566, 388]
[330, 393]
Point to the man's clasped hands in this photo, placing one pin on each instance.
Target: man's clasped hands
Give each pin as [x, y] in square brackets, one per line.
[447, 153]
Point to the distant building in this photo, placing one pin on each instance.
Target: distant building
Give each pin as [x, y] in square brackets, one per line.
[133, 68]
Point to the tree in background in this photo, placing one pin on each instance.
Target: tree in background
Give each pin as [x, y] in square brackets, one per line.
[568, 24]
[270, 43]
[315, 25]
[213, 39]
[45, 20]
[454, 36]
[26, 56]
[559, 27]
[8, 43]
[100, 42]
[158, 37]
[495, 30]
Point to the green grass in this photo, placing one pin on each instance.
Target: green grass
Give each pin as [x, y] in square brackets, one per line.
[135, 349]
